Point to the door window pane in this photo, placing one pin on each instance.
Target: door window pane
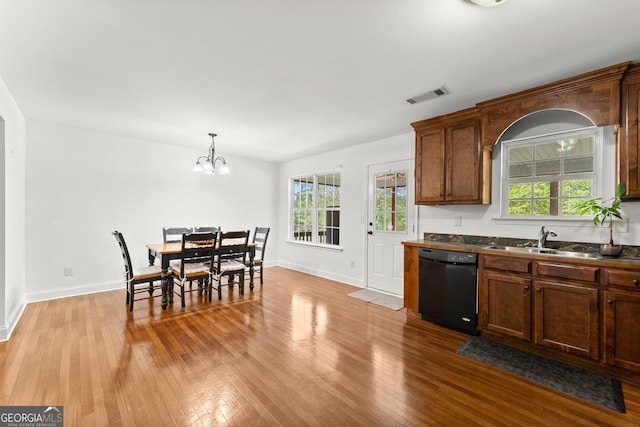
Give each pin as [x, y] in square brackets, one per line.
[391, 201]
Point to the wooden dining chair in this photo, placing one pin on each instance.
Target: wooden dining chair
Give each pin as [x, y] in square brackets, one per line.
[134, 278]
[215, 230]
[196, 258]
[174, 234]
[230, 261]
[260, 236]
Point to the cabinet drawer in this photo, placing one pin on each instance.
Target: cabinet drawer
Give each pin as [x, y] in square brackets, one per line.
[512, 265]
[626, 278]
[567, 271]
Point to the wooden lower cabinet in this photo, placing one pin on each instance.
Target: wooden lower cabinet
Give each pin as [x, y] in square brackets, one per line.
[583, 313]
[505, 302]
[411, 278]
[566, 318]
[622, 328]
[542, 307]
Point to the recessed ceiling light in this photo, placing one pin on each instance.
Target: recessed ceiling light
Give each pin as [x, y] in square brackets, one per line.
[488, 3]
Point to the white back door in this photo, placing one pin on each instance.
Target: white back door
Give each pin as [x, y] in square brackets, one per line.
[391, 220]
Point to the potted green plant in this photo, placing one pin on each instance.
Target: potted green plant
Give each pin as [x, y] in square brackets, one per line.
[603, 211]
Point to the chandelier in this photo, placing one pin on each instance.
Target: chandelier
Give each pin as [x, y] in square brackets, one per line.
[208, 167]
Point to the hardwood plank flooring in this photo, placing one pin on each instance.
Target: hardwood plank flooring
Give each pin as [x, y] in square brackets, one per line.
[296, 351]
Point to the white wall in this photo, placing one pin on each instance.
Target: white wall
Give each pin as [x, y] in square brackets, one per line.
[82, 185]
[12, 218]
[354, 162]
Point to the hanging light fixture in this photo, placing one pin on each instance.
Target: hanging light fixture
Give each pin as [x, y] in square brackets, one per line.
[208, 166]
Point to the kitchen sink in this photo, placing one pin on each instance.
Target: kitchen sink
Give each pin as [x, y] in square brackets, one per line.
[546, 251]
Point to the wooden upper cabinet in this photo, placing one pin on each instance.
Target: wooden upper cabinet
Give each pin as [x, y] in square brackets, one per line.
[430, 166]
[629, 149]
[463, 164]
[448, 159]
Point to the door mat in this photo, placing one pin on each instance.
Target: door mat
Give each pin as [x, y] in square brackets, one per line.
[379, 298]
[593, 387]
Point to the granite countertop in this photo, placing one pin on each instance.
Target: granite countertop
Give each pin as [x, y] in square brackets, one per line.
[479, 244]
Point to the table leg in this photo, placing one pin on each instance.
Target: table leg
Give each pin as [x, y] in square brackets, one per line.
[252, 254]
[165, 288]
[251, 275]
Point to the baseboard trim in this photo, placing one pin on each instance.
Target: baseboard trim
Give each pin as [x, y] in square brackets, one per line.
[74, 291]
[7, 330]
[324, 274]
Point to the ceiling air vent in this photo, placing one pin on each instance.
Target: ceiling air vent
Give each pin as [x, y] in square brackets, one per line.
[428, 95]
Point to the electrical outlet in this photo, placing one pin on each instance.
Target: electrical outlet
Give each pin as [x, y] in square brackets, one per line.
[68, 271]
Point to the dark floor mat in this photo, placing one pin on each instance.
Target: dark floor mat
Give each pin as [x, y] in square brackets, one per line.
[593, 387]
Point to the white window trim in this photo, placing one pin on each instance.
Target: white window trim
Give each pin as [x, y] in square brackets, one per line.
[550, 219]
[336, 248]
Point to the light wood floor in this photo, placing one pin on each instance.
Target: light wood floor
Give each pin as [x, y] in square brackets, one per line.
[297, 351]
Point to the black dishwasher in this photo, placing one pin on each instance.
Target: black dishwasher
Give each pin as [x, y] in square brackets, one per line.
[448, 289]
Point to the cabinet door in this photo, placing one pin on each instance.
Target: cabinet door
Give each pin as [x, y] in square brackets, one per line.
[505, 305]
[566, 318]
[411, 277]
[430, 161]
[622, 329]
[630, 137]
[464, 157]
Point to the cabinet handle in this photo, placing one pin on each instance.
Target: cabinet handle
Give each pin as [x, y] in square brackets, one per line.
[609, 301]
[539, 290]
[636, 282]
[526, 287]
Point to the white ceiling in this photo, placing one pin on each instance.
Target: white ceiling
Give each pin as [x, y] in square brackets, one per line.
[279, 79]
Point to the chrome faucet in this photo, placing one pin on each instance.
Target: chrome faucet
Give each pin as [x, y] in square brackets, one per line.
[542, 236]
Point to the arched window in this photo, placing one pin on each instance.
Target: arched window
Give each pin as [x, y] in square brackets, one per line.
[548, 171]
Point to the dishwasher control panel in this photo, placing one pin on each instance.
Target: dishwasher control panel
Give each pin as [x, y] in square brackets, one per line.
[452, 257]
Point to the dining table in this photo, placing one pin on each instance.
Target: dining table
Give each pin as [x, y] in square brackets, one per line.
[165, 252]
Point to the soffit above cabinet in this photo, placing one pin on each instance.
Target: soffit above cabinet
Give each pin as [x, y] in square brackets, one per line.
[595, 94]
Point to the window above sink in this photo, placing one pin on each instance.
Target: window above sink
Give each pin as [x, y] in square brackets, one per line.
[548, 176]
